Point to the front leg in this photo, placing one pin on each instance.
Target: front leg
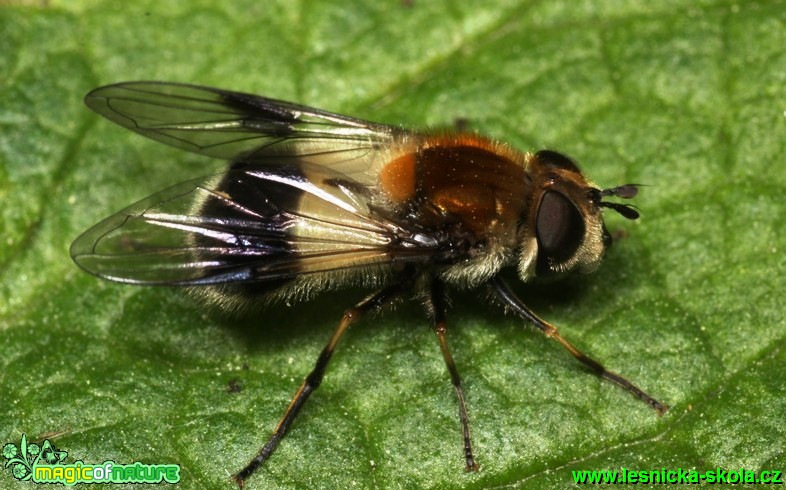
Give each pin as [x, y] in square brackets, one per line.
[503, 292]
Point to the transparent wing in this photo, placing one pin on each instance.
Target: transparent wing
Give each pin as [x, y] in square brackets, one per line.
[257, 223]
[238, 126]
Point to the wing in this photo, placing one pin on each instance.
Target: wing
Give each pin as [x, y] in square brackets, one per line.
[238, 126]
[254, 223]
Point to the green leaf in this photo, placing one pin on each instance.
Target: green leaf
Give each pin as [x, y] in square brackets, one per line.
[685, 97]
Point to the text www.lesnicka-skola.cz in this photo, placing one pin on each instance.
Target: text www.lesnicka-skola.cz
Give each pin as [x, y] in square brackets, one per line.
[718, 475]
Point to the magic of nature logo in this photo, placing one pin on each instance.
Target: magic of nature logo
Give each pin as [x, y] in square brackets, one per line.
[45, 463]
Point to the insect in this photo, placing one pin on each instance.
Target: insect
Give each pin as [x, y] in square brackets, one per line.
[313, 201]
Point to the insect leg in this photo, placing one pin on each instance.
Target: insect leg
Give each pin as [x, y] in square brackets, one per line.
[436, 309]
[371, 303]
[509, 299]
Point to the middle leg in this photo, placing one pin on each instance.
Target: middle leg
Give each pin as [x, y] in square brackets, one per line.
[435, 305]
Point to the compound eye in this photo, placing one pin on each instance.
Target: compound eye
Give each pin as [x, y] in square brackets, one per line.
[560, 230]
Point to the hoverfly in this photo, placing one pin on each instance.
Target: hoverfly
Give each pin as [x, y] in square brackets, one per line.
[313, 201]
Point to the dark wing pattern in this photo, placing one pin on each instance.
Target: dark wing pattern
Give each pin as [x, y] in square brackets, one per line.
[238, 126]
[257, 223]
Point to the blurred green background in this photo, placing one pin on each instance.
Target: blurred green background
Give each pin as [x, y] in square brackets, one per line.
[687, 97]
